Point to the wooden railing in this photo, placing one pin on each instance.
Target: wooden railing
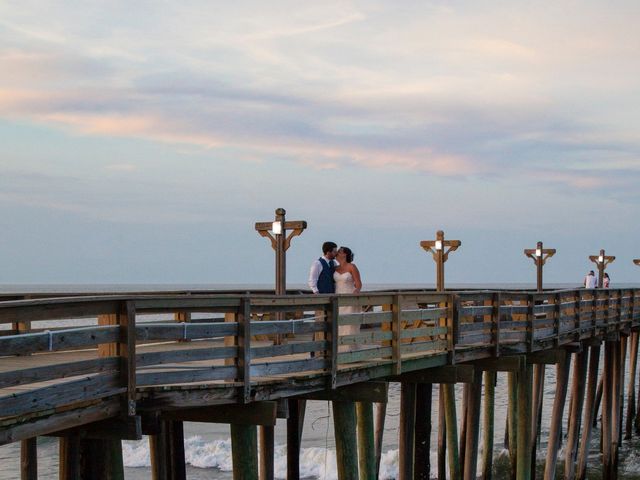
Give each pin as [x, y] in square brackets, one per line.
[229, 339]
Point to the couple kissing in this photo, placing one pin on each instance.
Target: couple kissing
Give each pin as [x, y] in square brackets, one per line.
[335, 271]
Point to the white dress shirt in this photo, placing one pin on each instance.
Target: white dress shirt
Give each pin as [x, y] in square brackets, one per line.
[314, 273]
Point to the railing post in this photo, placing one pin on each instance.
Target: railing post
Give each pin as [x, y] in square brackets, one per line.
[454, 323]
[331, 316]
[127, 353]
[497, 301]
[530, 304]
[556, 320]
[244, 347]
[396, 328]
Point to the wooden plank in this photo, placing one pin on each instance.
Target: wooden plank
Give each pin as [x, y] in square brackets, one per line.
[119, 428]
[61, 394]
[56, 308]
[185, 331]
[425, 347]
[283, 327]
[58, 340]
[423, 332]
[288, 349]
[185, 355]
[244, 348]
[288, 367]
[253, 413]
[396, 328]
[366, 338]
[503, 364]
[166, 377]
[47, 372]
[357, 392]
[365, 318]
[72, 417]
[127, 353]
[361, 355]
[446, 374]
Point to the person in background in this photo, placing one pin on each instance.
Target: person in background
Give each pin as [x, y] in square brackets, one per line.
[590, 280]
[606, 281]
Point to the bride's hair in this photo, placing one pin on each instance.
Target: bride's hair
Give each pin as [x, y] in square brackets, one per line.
[347, 251]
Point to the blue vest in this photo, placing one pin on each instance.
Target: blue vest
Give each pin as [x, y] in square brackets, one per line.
[326, 283]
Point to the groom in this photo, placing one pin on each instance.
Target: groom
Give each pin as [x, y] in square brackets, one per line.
[321, 273]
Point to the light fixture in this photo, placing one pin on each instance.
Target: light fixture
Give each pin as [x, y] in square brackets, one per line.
[276, 228]
[438, 244]
[538, 252]
[601, 259]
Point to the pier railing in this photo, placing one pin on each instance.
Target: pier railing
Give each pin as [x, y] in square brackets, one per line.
[131, 345]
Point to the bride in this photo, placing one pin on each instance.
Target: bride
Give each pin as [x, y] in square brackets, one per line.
[347, 279]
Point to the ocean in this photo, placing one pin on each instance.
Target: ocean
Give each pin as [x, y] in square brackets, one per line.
[208, 446]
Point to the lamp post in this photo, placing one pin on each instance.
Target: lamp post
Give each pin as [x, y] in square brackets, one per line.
[539, 256]
[601, 261]
[440, 249]
[636, 261]
[276, 231]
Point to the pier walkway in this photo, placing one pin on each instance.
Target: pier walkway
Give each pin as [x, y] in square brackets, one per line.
[96, 369]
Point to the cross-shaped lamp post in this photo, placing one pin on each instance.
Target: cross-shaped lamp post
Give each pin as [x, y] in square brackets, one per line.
[601, 262]
[277, 232]
[440, 249]
[539, 256]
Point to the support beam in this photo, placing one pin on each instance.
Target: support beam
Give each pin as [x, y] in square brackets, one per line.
[631, 391]
[255, 413]
[422, 450]
[266, 452]
[444, 374]
[29, 459]
[562, 376]
[577, 394]
[589, 412]
[244, 452]
[488, 427]
[295, 424]
[452, 431]
[344, 427]
[381, 414]
[358, 392]
[473, 427]
[523, 462]
[366, 448]
[407, 429]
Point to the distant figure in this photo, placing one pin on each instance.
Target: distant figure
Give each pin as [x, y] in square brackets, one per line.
[347, 280]
[590, 280]
[606, 281]
[322, 270]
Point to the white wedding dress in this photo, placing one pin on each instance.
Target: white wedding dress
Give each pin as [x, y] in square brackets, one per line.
[345, 284]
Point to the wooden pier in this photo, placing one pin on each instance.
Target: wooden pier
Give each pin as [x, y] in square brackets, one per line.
[146, 363]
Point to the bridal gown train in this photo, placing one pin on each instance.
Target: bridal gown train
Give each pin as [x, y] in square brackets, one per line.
[345, 284]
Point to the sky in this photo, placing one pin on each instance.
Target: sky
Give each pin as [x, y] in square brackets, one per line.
[141, 141]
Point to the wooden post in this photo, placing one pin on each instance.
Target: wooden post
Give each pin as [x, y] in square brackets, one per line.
[176, 450]
[598, 401]
[589, 412]
[631, 391]
[607, 400]
[69, 453]
[463, 426]
[381, 413]
[615, 407]
[577, 393]
[407, 428]
[29, 459]
[473, 427]
[159, 453]
[512, 421]
[366, 448]
[442, 436]
[523, 465]
[295, 424]
[562, 375]
[244, 452]
[422, 460]
[536, 417]
[488, 427]
[452, 430]
[344, 427]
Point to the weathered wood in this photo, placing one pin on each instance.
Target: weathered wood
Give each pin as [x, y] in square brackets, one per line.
[266, 452]
[473, 427]
[452, 431]
[381, 413]
[244, 452]
[536, 412]
[512, 421]
[344, 427]
[631, 392]
[488, 424]
[407, 428]
[29, 459]
[523, 463]
[562, 376]
[69, 453]
[295, 424]
[502, 364]
[422, 432]
[445, 374]
[442, 436]
[120, 428]
[589, 412]
[55, 340]
[159, 453]
[255, 413]
[359, 392]
[577, 394]
[366, 444]
[463, 427]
